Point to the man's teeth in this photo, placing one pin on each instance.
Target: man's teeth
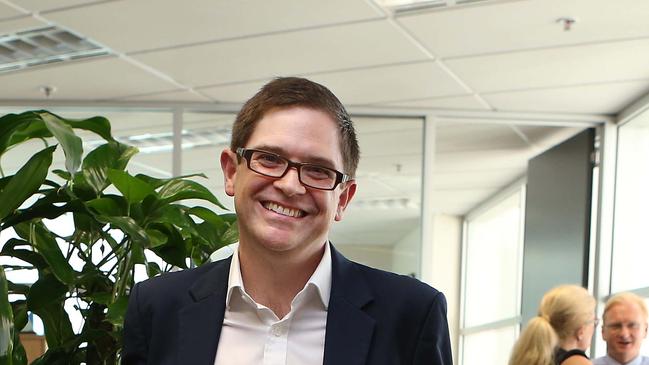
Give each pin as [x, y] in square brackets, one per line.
[283, 210]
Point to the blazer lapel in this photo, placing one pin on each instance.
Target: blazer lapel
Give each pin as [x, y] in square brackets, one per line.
[349, 329]
[201, 321]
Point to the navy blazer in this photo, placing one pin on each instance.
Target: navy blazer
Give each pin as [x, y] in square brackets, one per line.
[374, 317]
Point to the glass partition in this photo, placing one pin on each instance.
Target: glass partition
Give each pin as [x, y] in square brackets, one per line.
[630, 245]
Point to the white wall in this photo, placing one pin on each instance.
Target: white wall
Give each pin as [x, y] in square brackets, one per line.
[406, 253]
[379, 257]
[441, 265]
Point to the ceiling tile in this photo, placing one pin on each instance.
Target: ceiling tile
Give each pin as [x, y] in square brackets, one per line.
[175, 95]
[608, 98]
[361, 87]
[465, 102]
[454, 137]
[309, 51]
[565, 66]
[390, 83]
[176, 22]
[7, 11]
[511, 25]
[49, 5]
[96, 79]
[20, 24]
[372, 125]
[234, 93]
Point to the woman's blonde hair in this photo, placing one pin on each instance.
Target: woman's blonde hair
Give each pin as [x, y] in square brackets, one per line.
[562, 312]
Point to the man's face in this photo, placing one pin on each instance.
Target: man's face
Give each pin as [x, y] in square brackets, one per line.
[624, 329]
[281, 214]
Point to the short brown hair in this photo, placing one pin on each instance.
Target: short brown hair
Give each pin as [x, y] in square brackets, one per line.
[285, 92]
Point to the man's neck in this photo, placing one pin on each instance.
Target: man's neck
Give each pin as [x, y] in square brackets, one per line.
[273, 279]
[569, 344]
[625, 360]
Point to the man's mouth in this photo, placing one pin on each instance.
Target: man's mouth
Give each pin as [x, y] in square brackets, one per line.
[290, 212]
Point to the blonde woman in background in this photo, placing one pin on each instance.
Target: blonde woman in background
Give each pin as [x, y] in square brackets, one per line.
[562, 331]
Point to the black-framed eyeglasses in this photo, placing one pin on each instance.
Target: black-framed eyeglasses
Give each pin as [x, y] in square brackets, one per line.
[276, 166]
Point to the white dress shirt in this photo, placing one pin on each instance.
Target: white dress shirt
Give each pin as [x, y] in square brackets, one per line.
[607, 360]
[253, 335]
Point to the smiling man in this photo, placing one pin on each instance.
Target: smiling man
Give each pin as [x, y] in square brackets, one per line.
[287, 296]
[624, 329]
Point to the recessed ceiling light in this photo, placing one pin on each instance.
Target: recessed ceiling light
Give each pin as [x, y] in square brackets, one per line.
[41, 46]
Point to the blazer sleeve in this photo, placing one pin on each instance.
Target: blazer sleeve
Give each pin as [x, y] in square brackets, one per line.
[135, 344]
[434, 344]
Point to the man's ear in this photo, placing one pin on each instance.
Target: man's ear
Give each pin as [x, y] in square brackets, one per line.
[229, 166]
[345, 197]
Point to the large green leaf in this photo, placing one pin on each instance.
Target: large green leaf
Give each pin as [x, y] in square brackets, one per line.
[173, 251]
[134, 189]
[156, 237]
[171, 213]
[19, 309]
[175, 190]
[46, 298]
[45, 243]
[49, 206]
[153, 269]
[25, 182]
[97, 125]
[216, 230]
[30, 130]
[16, 128]
[6, 322]
[29, 256]
[19, 355]
[112, 155]
[128, 226]
[156, 183]
[71, 143]
[108, 205]
[117, 310]
[209, 216]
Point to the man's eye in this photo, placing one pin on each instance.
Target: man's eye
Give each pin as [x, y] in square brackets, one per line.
[268, 159]
[317, 172]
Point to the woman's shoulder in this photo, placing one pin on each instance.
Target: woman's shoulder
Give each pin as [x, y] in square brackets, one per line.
[573, 357]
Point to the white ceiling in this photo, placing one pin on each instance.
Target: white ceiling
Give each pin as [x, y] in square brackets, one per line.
[502, 79]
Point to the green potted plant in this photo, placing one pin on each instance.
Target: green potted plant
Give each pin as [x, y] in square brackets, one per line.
[113, 228]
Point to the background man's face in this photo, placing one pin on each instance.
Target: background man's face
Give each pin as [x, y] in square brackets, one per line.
[624, 329]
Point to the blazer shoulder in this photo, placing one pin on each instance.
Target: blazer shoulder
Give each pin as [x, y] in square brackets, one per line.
[182, 279]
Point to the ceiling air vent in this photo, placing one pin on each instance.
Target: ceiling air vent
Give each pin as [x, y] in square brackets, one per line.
[41, 46]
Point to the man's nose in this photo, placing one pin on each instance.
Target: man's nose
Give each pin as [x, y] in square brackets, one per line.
[290, 183]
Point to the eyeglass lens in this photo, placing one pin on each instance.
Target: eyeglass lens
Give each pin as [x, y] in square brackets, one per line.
[276, 166]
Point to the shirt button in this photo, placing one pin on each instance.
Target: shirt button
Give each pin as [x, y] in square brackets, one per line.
[277, 331]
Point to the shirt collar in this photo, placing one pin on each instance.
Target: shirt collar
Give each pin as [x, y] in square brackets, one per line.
[636, 361]
[320, 279]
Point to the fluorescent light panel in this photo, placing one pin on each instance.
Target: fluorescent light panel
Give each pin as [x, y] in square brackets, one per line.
[41, 46]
